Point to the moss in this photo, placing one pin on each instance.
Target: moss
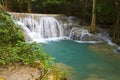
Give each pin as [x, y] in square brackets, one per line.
[59, 71]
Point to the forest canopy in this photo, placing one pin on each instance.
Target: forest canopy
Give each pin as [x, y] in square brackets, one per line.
[106, 10]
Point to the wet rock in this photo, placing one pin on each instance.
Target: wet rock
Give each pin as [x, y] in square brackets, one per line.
[84, 35]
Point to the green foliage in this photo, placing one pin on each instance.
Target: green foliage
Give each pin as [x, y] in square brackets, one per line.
[24, 53]
[59, 71]
[14, 49]
[9, 32]
[52, 2]
[106, 12]
[105, 9]
[8, 55]
[29, 53]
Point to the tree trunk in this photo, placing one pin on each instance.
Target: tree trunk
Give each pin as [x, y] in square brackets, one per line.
[116, 25]
[29, 6]
[116, 34]
[93, 22]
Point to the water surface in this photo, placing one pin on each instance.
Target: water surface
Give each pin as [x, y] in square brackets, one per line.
[87, 64]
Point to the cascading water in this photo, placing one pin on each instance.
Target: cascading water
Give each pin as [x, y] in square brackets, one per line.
[39, 27]
[86, 64]
[84, 33]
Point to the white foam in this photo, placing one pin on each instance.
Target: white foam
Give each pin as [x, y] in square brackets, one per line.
[46, 40]
[109, 42]
[48, 28]
[88, 41]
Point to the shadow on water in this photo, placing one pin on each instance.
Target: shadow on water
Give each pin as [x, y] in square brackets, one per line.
[87, 65]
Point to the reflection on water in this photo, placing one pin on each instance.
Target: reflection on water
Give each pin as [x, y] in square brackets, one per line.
[86, 63]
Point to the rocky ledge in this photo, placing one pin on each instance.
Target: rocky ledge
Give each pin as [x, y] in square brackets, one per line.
[19, 73]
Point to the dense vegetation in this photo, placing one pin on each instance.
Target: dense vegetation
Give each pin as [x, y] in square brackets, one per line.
[12, 43]
[105, 13]
[15, 51]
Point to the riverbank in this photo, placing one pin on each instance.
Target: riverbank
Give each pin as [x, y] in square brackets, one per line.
[21, 72]
[15, 72]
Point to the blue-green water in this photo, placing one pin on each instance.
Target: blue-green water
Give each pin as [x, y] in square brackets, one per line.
[87, 64]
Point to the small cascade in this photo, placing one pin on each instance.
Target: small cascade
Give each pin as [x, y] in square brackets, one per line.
[84, 34]
[38, 27]
[72, 33]
[79, 34]
[42, 27]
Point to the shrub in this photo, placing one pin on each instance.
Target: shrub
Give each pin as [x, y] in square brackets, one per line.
[9, 32]
[14, 49]
[24, 53]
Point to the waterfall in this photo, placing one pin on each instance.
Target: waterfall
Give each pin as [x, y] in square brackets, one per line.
[42, 27]
[38, 27]
[84, 33]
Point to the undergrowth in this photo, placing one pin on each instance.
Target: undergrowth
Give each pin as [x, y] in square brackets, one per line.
[14, 49]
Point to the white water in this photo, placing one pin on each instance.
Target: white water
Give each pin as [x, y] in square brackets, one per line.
[72, 32]
[41, 29]
[84, 32]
